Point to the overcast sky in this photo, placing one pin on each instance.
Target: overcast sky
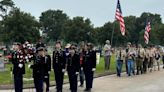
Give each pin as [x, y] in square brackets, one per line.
[99, 11]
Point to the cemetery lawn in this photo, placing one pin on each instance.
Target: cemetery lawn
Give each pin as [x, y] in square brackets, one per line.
[5, 77]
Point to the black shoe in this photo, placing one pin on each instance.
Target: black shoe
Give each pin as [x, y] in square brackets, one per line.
[59, 91]
[87, 90]
[118, 75]
[81, 85]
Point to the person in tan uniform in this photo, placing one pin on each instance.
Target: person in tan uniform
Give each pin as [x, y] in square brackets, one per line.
[151, 60]
[141, 56]
[146, 60]
[130, 59]
[120, 56]
[157, 58]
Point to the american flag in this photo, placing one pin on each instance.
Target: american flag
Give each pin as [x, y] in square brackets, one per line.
[147, 30]
[120, 18]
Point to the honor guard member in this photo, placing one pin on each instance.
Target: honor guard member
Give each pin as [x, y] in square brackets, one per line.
[89, 66]
[18, 67]
[59, 65]
[47, 70]
[140, 60]
[73, 66]
[40, 44]
[81, 72]
[39, 69]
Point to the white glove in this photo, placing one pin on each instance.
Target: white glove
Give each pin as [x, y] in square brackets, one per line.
[65, 73]
[45, 76]
[26, 57]
[81, 68]
[63, 70]
[77, 73]
[20, 65]
[67, 54]
[27, 60]
[29, 66]
[93, 69]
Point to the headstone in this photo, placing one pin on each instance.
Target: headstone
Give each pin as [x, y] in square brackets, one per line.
[2, 65]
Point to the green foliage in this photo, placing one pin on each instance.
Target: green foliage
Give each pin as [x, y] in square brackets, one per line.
[4, 7]
[53, 23]
[79, 29]
[19, 27]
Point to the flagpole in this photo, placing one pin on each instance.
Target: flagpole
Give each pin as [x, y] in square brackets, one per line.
[112, 33]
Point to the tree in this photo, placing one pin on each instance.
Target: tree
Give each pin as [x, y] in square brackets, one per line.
[79, 29]
[53, 23]
[4, 7]
[19, 27]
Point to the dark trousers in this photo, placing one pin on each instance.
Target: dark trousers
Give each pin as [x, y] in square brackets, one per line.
[18, 82]
[145, 65]
[139, 64]
[151, 63]
[119, 67]
[126, 66]
[81, 75]
[59, 75]
[38, 82]
[163, 60]
[47, 81]
[88, 77]
[72, 80]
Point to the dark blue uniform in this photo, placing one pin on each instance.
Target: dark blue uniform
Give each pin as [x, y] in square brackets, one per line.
[18, 70]
[47, 71]
[89, 64]
[73, 66]
[38, 72]
[59, 64]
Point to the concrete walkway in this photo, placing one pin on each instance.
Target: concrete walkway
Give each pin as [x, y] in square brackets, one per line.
[150, 82]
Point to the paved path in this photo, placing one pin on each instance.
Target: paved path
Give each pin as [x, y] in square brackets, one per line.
[150, 82]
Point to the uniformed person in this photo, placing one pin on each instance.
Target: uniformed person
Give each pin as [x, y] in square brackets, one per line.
[130, 59]
[157, 58]
[146, 60]
[162, 52]
[18, 67]
[81, 72]
[47, 70]
[59, 65]
[40, 44]
[89, 65]
[120, 55]
[140, 59]
[73, 66]
[151, 56]
[39, 69]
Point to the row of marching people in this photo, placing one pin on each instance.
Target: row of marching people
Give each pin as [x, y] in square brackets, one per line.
[138, 58]
[70, 59]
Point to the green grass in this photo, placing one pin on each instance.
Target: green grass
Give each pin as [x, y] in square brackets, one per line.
[5, 77]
